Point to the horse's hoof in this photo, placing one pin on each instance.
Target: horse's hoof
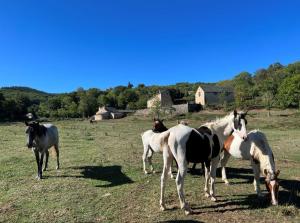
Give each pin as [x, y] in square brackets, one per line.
[162, 207]
[187, 209]
[188, 212]
[213, 198]
[172, 176]
[44, 169]
[153, 171]
[226, 181]
[57, 167]
[207, 194]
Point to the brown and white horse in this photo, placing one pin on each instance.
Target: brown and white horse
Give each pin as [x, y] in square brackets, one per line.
[187, 144]
[256, 149]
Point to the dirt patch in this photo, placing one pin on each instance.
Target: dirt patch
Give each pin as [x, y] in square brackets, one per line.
[6, 208]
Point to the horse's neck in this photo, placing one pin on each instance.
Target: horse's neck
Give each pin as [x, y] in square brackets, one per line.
[219, 127]
[267, 163]
[263, 153]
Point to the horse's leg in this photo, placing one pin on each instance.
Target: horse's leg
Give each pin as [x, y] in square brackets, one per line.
[170, 169]
[57, 155]
[41, 164]
[46, 162]
[213, 169]
[182, 169]
[256, 183]
[207, 174]
[144, 157]
[223, 162]
[150, 154]
[37, 158]
[167, 157]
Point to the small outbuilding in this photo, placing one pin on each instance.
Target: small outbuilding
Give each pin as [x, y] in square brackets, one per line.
[107, 113]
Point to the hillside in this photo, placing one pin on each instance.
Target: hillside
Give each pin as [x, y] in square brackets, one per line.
[32, 94]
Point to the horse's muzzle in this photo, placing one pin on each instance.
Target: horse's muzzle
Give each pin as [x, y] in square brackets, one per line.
[29, 145]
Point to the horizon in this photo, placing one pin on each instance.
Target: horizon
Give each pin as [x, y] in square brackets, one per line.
[57, 47]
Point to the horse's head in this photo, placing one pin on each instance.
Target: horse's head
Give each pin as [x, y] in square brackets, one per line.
[272, 185]
[32, 131]
[158, 125]
[237, 124]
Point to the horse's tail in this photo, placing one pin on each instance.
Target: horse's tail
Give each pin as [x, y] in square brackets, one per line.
[53, 152]
[164, 136]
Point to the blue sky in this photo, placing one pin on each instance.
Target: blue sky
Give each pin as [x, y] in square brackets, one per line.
[60, 45]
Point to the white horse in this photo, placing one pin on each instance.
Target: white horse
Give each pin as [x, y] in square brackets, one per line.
[152, 143]
[256, 149]
[187, 144]
[41, 138]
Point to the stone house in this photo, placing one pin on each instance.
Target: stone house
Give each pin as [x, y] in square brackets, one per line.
[163, 97]
[213, 95]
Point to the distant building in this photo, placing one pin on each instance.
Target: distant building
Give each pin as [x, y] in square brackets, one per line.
[163, 98]
[213, 95]
[107, 113]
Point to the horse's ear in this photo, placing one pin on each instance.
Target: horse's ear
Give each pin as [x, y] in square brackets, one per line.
[277, 173]
[266, 172]
[162, 120]
[26, 123]
[178, 122]
[235, 113]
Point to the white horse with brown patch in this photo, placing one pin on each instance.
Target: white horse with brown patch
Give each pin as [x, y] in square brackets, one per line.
[256, 149]
[187, 144]
[152, 143]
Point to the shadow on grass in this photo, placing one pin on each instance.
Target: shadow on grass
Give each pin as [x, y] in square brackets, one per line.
[291, 194]
[184, 221]
[111, 174]
[242, 202]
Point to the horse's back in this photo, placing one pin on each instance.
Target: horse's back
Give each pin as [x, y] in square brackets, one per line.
[52, 133]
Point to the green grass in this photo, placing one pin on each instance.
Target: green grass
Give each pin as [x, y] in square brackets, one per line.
[101, 178]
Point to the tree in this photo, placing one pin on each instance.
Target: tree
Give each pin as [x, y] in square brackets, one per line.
[244, 91]
[289, 92]
[156, 109]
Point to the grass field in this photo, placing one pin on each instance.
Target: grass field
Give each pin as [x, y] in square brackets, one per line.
[101, 178]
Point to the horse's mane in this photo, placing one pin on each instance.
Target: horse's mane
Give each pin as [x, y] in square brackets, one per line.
[260, 140]
[41, 130]
[218, 121]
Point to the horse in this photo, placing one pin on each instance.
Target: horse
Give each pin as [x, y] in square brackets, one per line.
[256, 149]
[40, 138]
[152, 143]
[187, 144]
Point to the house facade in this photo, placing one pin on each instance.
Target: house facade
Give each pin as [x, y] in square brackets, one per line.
[163, 98]
[213, 95]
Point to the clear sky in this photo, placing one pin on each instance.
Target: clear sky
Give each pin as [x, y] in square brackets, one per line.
[60, 45]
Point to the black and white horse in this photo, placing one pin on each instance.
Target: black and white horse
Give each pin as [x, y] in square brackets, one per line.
[187, 144]
[40, 138]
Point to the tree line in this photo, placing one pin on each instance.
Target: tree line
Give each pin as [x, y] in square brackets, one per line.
[275, 86]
